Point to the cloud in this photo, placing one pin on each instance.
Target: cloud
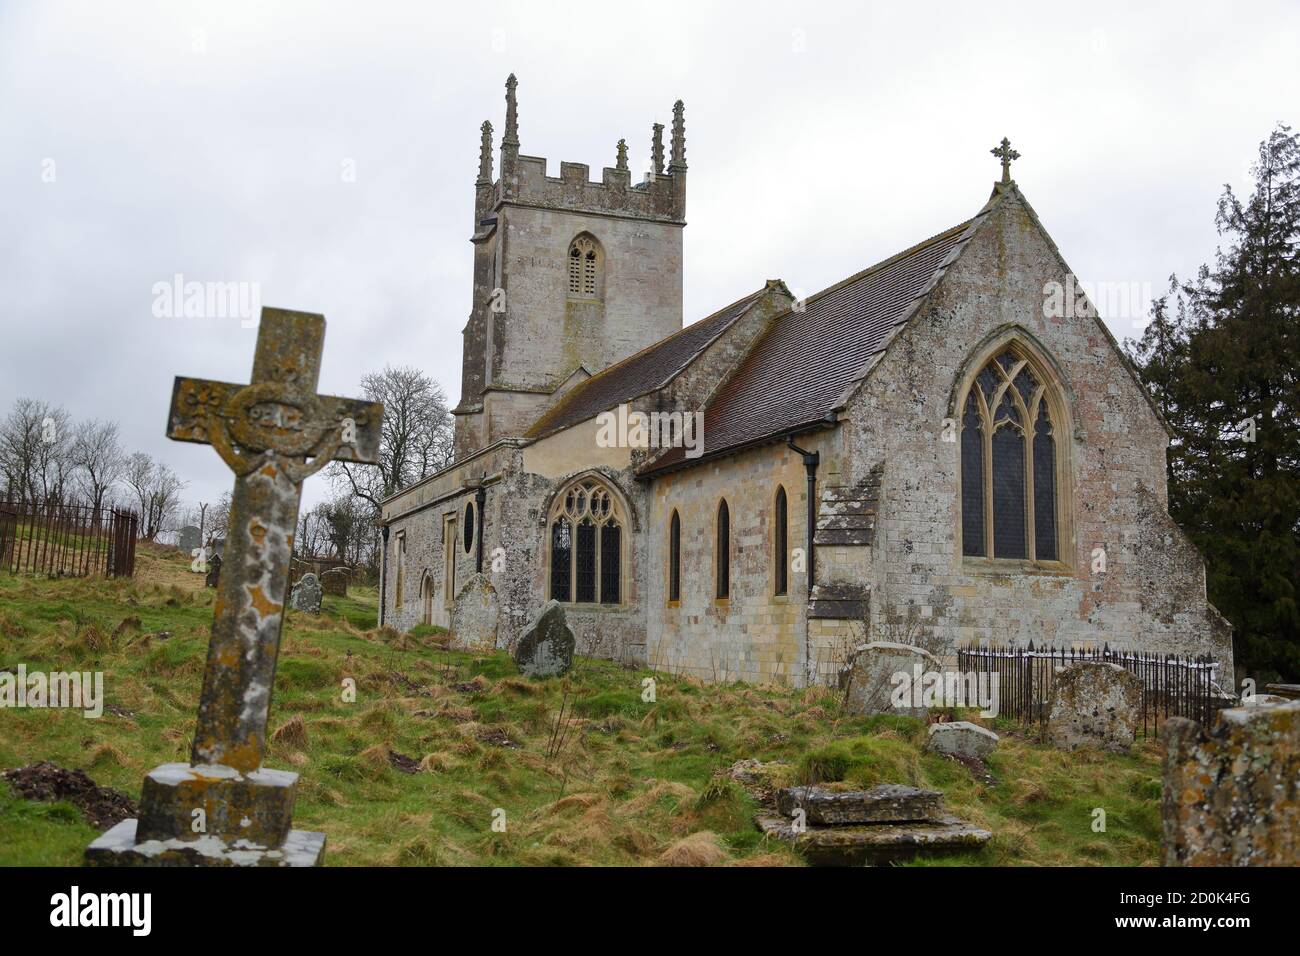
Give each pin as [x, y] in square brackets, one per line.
[211, 140]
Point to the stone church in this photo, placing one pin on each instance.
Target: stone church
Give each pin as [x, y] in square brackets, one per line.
[926, 451]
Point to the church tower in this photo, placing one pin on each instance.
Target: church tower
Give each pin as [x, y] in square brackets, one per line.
[570, 276]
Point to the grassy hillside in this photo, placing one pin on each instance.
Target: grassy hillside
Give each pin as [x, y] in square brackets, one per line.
[412, 772]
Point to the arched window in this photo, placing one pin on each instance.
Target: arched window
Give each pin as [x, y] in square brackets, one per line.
[469, 526]
[1010, 467]
[585, 261]
[722, 557]
[780, 553]
[587, 545]
[675, 557]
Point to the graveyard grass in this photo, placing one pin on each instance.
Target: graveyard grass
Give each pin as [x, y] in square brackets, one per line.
[634, 784]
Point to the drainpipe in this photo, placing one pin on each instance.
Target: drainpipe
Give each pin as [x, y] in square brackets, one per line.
[480, 498]
[383, 574]
[810, 462]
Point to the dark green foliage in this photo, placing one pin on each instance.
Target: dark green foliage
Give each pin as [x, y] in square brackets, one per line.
[1220, 357]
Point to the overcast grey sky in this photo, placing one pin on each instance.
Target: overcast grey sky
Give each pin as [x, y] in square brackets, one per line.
[327, 152]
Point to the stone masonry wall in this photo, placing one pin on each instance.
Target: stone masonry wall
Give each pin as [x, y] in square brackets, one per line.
[1151, 596]
[754, 635]
[514, 552]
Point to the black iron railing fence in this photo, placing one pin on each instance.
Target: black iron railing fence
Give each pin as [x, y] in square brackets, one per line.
[66, 539]
[1172, 686]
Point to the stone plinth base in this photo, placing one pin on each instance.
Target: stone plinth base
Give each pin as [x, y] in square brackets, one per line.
[256, 806]
[118, 847]
[211, 815]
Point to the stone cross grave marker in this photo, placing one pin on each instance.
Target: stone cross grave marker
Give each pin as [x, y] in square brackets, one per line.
[273, 433]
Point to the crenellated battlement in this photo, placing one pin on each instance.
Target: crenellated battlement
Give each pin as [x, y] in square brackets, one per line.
[660, 196]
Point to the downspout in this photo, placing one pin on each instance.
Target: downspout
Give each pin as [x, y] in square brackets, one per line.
[480, 499]
[383, 574]
[810, 461]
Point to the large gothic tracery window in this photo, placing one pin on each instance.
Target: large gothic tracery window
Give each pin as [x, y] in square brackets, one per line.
[1010, 467]
[586, 541]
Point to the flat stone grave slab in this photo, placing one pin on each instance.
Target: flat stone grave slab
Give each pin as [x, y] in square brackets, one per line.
[874, 844]
[886, 803]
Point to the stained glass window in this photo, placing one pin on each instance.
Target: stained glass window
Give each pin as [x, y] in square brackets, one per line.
[1044, 487]
[610, 535]
[587, 546]
[722, 559]
[561, 558]
[1008, 468]
[675, 559]
[586, 577]
[972, 480]
[779, 534]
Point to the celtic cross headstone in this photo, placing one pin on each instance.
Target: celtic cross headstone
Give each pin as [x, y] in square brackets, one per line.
[223, 808]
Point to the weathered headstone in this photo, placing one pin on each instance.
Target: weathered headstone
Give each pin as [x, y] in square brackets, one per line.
[223, 808]
[189, 538]
[1230, 793]
[213, 578]
[1094, 704]
[869, 678]
[334, 581]
[474, 616]
[547, 645]
[961, 738]
[306, 594]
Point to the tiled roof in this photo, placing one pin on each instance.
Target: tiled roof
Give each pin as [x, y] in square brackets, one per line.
[801, 370]
[637, 374]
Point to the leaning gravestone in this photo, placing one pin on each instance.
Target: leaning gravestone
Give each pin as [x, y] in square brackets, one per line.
[474, 616]
[213, 578]
[546, 647]
[223, 808]
[306, 594]
[870, 677]
[334, 581]
[1094, 704]
[1230, 793]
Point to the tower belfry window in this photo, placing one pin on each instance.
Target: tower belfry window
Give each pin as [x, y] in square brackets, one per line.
[584, 268]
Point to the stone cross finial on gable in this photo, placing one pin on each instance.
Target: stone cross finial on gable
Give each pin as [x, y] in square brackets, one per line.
[1006, 154]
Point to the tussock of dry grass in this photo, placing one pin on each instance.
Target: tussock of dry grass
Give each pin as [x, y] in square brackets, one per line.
[698, 849]
[635, 783]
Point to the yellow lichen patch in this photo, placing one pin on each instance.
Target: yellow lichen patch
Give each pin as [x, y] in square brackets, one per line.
[262, 604]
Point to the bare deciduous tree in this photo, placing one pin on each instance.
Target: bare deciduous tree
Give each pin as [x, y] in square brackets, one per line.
[416, 439]
[157, 490]
[100, 461]
[36, 450]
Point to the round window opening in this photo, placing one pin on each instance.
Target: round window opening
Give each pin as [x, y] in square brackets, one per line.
[469, 528]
